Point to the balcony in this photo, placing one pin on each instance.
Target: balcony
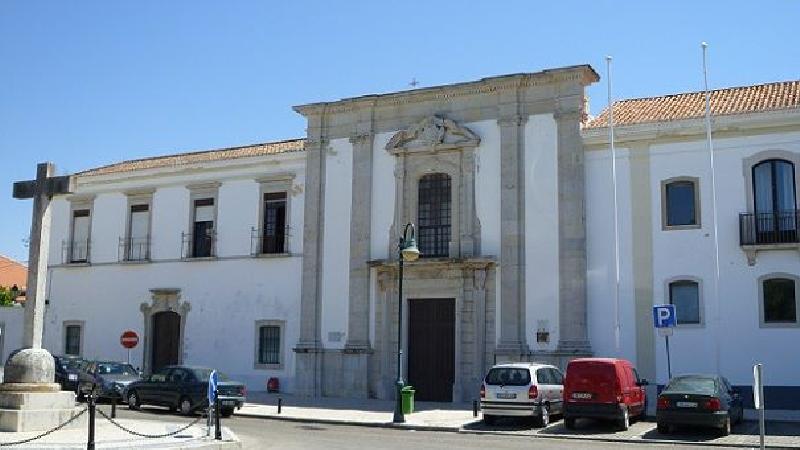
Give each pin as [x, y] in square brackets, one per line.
[272, 243]
[200, 246]
[134, 249]
[75, 251]
[768, 231]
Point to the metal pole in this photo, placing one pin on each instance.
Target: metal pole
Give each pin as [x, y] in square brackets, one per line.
[398, 406]
[114, 407]
[217, 427]
[280, 404]
[616, 208]
[129, 356]
[669, 364]
[90, 442]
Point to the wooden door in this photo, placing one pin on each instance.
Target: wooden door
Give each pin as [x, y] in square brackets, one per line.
[431, 348]
[166, 339]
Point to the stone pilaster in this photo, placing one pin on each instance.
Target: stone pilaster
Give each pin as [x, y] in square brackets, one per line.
[309, 347]
[573, 330]
[512, 240]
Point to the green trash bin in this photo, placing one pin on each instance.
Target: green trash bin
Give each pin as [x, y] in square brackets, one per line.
[407, 396]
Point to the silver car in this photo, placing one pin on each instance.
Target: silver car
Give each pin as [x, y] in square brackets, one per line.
[522, 390]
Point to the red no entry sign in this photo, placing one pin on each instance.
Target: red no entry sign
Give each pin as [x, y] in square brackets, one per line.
[129, 339]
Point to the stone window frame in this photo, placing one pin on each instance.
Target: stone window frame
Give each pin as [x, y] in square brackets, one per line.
[197, 192]
[697, 207]
[281, 324]
[771, 276]
[77, 203]
[753, 160]
[274, 184]
[417, 182]
[700, 299]
[81, 324]
[141, 197]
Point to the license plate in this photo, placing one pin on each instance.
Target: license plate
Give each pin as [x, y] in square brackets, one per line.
[686, 404]
[506, 395]
[228, 403]
[72, 377]
[581, 395]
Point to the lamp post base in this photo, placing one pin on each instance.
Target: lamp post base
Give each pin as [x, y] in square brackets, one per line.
[398, 403]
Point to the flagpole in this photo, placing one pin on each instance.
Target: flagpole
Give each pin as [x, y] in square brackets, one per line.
[616, 206]
[713, 208]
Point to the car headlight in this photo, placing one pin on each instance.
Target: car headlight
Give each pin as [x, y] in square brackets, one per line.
[72, 377]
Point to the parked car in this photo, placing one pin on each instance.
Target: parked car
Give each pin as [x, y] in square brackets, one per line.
[108, 378]
[603, 388]
[67, 372]
[185, 388]
[522, 390]
[699, 400]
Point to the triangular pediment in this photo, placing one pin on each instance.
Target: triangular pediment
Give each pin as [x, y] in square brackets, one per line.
[433, 132]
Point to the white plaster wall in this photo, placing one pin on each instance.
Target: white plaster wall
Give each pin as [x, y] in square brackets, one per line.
[487, 185]
[11, 329]
[170, 218]
[108, 226]
[604, 311]
[336, 242]
[59, 229]
[383, 193]
[236, 216]
[541, 229]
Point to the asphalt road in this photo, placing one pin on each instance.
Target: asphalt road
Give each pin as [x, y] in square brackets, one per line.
[277, 434]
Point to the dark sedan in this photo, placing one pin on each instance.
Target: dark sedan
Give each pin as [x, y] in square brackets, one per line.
[699, 400]
[108, 378]
[185, 388]
[67, 372]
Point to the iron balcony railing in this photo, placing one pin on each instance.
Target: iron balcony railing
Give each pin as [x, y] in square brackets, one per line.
[274, 243]
[134, 249]
[778, 227]
[75, 251]
[201, 246]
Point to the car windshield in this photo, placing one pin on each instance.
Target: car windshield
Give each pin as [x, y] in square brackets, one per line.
[508, 376]
[203, 374]
[700, 385]
[115, 369]
[70, 363]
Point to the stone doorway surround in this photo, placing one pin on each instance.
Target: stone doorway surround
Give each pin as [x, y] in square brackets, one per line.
[162, 299]
[471, 282]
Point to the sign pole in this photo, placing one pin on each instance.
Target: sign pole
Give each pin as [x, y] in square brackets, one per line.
[129, 356]
[669, 363]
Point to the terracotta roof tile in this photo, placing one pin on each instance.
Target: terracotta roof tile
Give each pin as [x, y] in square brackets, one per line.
[269, 148]
[728, 101]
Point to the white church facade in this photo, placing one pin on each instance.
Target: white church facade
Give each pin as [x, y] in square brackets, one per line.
[280, 259]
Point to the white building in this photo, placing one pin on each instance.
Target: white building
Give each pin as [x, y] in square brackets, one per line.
[281, 259]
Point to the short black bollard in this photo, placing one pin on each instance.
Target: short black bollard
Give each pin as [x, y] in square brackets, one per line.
[90, 442]
[474, 408]
[217, 428]
[280, 403]
[114, 408]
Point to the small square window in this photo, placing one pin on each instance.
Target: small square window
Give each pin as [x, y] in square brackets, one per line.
[269, 345]
[72, 340]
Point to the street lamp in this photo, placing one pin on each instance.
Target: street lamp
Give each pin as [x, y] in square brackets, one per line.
[407, 251]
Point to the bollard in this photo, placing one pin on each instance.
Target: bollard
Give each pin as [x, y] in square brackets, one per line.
[217, 428]
[90, 442]
[280, 403]
[474, 408]
[114, 407]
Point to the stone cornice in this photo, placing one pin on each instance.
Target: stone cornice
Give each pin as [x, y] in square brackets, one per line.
[583, 74]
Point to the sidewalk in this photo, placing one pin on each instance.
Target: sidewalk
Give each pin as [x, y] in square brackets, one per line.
[457, 417]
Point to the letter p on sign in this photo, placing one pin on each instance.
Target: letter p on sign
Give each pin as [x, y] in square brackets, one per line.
[664, 316]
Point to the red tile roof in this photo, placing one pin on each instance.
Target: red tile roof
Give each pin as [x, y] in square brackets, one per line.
[728, 101]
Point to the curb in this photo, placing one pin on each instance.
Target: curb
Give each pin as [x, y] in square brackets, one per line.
[536, 434]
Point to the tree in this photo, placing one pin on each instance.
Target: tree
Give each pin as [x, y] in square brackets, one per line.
[7, 296]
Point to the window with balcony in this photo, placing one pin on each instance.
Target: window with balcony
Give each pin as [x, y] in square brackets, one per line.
[774, 202]
[273, 237]
[78, 249]
[434, 215]
[202, 239]
[685, 295]
[779, 301]
[137, 243]
[680, 203]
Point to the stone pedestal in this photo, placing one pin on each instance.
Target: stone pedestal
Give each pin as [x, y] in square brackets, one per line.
[29, 400]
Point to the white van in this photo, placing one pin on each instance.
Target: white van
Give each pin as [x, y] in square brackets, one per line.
[522, 390]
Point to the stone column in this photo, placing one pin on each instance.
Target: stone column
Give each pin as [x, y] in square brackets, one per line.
[357, 346]
[512, 239]
[573, 331]
[308, 370]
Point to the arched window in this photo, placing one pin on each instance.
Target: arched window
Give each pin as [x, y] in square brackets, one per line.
[774, 201]
[685, 295]
[433, 215]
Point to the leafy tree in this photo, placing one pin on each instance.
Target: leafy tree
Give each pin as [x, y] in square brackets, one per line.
[7, 296]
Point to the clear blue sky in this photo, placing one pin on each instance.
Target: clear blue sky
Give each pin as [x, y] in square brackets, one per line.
[93, 82]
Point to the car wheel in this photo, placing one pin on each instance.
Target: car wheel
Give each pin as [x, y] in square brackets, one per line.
[133, 401]
[662, 428]
[544, 418]
[226, 412]
[488, 420]
[726, 427]
[186, 406]
[624, 422]
[569, 422]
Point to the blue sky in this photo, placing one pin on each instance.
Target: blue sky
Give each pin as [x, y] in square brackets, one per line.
[88, 83]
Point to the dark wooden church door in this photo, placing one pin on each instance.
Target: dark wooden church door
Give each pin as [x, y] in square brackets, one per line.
[431, 348]
[166, 339]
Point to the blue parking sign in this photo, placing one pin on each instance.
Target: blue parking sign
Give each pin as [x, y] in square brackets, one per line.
[664, 316]
[213, 379]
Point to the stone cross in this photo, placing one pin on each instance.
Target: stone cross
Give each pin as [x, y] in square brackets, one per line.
[41, 190]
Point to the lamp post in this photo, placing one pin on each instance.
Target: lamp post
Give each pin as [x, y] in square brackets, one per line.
[407, 251]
